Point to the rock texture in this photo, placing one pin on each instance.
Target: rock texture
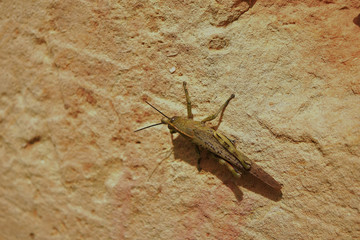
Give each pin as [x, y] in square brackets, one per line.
[74, 77]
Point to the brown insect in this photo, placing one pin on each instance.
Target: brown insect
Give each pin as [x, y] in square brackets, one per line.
[220, 145]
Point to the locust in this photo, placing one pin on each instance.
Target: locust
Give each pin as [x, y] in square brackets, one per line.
[208, 138]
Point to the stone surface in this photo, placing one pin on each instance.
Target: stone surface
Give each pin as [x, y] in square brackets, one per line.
[74, 77]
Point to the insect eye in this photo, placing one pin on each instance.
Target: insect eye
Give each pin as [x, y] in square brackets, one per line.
[172, 119]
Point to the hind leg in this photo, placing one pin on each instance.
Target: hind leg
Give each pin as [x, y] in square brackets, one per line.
[230, 167]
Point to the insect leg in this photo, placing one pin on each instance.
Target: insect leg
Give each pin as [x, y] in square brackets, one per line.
[188, 102]
[213, 116]
[230, 167]
[199, 157]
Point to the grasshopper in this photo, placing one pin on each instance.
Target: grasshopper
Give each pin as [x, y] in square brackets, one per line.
[215, 142]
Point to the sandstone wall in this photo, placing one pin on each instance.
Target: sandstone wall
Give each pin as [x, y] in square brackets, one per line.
[74, 77]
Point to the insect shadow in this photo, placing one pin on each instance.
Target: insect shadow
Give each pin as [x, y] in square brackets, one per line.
[185, 151]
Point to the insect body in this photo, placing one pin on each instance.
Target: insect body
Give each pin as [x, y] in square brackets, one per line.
[215, 142]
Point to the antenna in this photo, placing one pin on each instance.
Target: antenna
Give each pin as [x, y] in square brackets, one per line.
[148, 127]
[155, 123]
[157, 110]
